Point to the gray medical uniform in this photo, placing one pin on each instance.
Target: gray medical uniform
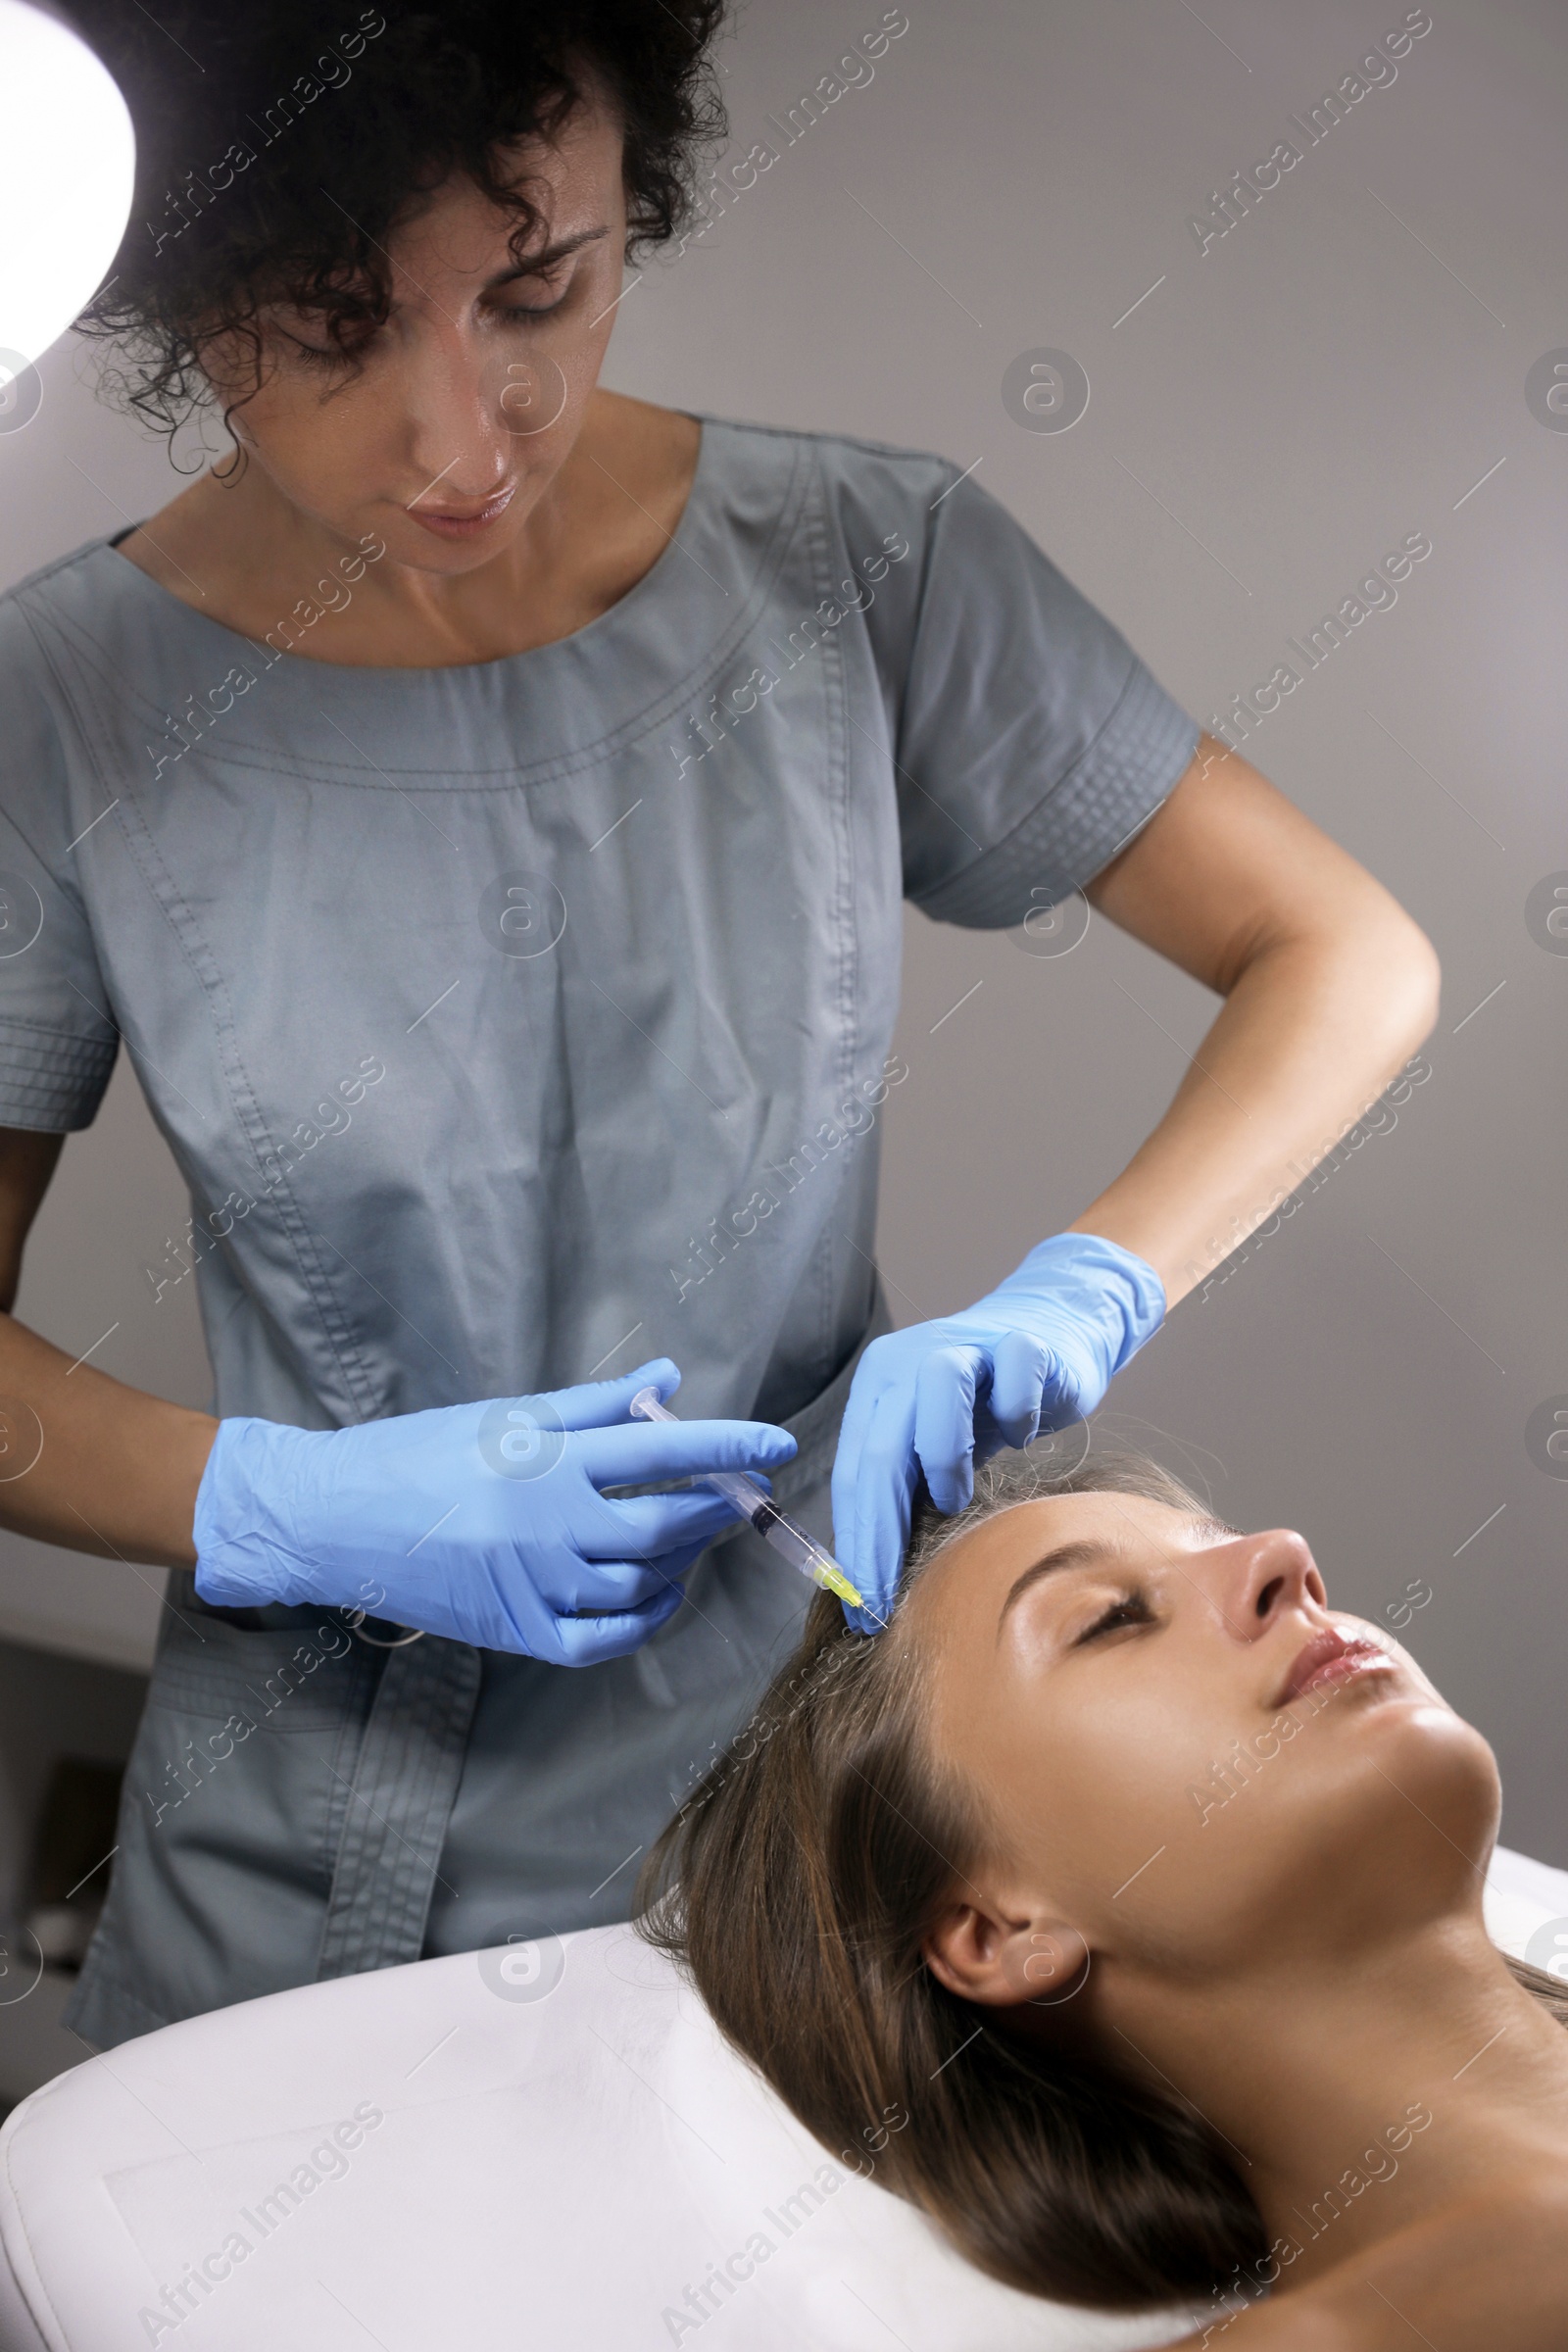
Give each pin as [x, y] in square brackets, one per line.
[513, 1022]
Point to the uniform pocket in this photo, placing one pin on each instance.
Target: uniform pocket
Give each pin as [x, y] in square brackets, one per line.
[290, 1678]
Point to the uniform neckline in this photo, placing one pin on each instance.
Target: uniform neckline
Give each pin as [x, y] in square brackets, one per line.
[524, 718]
[694, 516]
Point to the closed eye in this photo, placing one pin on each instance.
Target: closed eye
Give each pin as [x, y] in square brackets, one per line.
[562, 280]
[1131, 1609]
[534, 310]
[317, 354]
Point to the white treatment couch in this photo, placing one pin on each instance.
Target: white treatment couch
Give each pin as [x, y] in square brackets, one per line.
[545, 2147]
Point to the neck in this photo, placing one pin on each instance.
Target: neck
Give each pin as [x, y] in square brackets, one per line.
[1363, 2092]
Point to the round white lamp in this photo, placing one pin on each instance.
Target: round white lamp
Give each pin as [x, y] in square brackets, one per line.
[68, 157]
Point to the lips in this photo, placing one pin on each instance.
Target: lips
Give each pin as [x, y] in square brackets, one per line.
[1332, 1658]
[459, 518]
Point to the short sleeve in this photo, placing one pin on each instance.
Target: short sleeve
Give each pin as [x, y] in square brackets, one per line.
[57, 1039]
[1031, 741]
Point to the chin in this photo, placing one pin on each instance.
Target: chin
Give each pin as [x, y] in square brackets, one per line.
[1402, 1729]
[1385, 1811]
[1407, 1811]
[1443, 1764]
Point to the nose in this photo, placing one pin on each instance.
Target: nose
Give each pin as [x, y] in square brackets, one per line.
[453, 426]
[1255, 1579]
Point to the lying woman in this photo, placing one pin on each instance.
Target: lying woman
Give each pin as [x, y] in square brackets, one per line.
[1123, 1903]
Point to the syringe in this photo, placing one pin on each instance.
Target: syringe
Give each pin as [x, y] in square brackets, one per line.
[774, 1526]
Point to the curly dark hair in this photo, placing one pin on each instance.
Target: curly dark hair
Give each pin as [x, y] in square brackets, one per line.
[272, 163]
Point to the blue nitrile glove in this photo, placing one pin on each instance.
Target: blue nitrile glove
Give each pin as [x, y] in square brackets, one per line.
[1038, 1351]
[482, 1522]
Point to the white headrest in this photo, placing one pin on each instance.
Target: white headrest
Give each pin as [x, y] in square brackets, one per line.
[548, 2145]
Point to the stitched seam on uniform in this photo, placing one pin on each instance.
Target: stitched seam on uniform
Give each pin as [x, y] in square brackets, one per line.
[49, 657]
[353, 1722]
[92, 656]
[1122, 787]
[437, 1724]
[406, 1747]
[89, 653]
[197, 1686]
[632, 731]
[348, 1868]
[419, 1763]
[335, 1324]
[392, 1858]
[451, 1703]
[559, 769]
[626, 736]
[808, 448]
[72, 1039]
[50, 1116]
[90, 744]
[66, 1082]
[194, 948]
[19, 592]
[997, 850]
[44, 1086]
[825, 547]
[133, 697]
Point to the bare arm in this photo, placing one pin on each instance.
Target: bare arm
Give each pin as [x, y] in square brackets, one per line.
[1328, 984]
[119, 1469]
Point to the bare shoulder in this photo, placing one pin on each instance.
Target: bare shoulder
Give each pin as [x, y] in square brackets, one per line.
[1488, 2269]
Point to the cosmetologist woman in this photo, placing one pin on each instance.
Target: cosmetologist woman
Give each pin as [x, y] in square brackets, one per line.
[482, 806]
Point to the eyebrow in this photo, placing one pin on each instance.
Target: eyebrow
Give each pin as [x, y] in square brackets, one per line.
[1081, 1554]
[551, 254]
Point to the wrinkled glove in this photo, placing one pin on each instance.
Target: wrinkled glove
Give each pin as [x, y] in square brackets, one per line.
[481, 1522]
[1039, 1350]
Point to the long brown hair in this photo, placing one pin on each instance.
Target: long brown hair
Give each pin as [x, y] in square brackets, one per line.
[797, 1887]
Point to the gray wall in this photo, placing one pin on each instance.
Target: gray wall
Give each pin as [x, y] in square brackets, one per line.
[1334, 373]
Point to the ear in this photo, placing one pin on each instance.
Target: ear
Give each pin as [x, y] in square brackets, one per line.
[1001, 1960]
